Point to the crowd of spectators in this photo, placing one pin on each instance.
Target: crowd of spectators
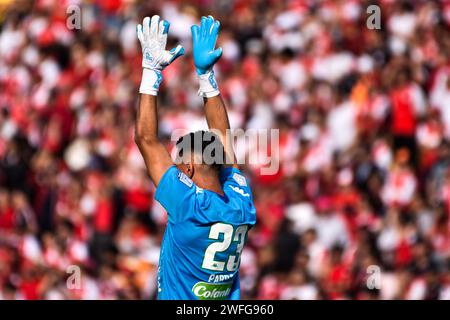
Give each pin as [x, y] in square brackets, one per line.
[358, 210]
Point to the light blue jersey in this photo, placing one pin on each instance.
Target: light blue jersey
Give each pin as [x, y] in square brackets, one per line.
[205, 235]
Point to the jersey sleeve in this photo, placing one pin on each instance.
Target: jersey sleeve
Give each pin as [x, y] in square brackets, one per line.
[233, 177]
[173, 189]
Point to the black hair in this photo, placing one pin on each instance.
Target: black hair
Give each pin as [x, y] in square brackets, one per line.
[205, 143]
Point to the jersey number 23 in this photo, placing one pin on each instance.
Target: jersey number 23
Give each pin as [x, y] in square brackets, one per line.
[229, 235]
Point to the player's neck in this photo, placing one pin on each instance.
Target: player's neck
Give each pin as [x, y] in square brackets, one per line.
[209, 182]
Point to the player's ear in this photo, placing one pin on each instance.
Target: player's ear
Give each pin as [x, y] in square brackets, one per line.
[189, 170]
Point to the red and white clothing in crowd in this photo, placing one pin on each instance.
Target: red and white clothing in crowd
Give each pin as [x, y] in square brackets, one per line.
[399, 188]
[332, 229]
[289, 149]
[341, 124]
[445, 197]
[382, 154]
[429, 134]
[429, 137]
[269, 288]
[336, 279]
[440, 97]
[305, 291]
[54, 258]
[416, 290]
[375, 107]
[318, 155]
[407, 103]
[441, 242]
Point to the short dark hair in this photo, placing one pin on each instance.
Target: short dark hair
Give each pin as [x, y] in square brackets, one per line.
[209, 140]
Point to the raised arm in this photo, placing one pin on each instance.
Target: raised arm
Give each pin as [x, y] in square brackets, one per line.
[217, 119]
[205, 56]
[152, 35]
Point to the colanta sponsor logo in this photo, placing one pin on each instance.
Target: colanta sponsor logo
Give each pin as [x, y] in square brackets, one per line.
[212, 291]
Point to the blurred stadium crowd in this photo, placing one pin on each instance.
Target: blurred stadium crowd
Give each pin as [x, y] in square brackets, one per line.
[364, 120]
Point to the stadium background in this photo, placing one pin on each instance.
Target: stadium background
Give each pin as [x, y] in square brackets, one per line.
[364, 120]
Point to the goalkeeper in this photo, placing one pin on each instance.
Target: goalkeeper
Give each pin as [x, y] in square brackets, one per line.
[209, 203]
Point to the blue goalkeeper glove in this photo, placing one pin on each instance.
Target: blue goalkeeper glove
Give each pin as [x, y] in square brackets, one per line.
[205, 56]
[152, 35]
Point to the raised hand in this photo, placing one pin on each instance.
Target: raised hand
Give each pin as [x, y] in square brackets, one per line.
[203, 41]
[152, 35]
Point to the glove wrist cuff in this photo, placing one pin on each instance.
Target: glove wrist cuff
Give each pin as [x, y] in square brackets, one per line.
[208, 85]
[151, 79]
